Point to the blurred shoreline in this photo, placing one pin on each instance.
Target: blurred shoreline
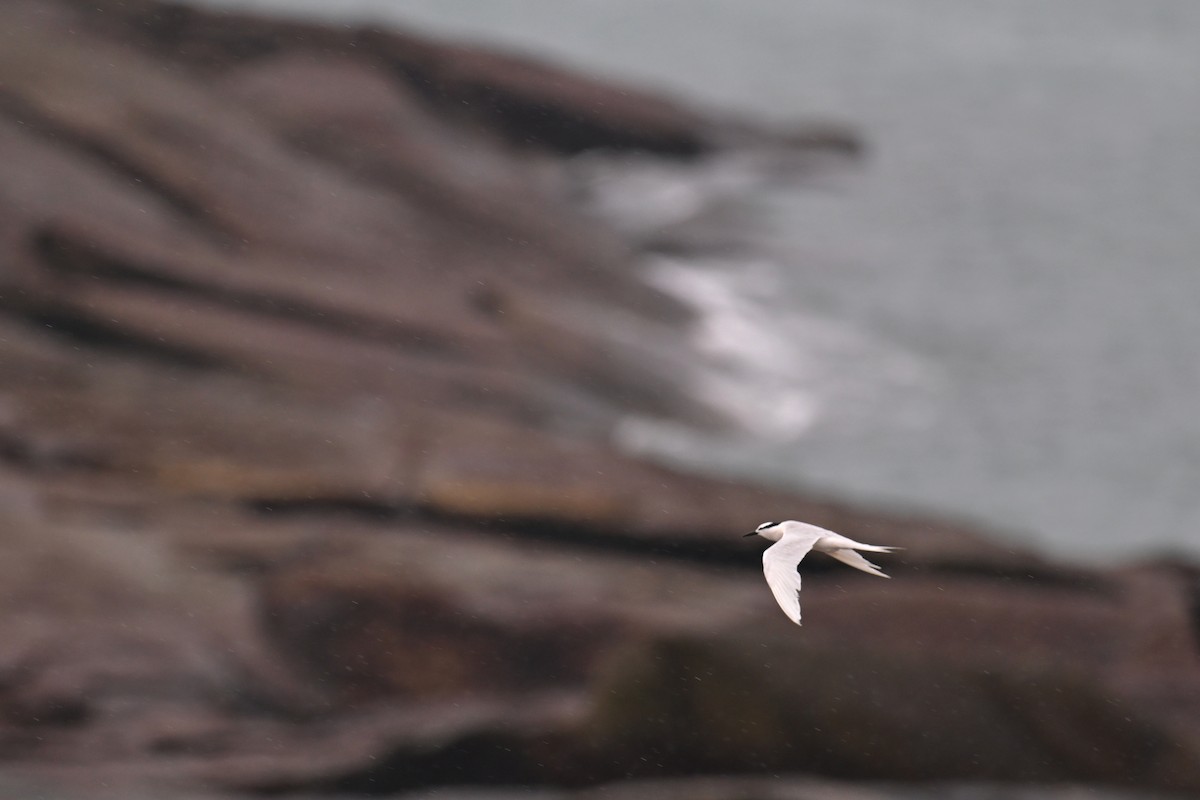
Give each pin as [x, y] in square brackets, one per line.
[1019, 234]
[311, 366]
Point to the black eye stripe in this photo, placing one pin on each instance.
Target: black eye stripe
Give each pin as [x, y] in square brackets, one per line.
[766, 525]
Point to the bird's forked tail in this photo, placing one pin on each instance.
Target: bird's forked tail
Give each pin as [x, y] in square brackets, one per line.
[853, 559]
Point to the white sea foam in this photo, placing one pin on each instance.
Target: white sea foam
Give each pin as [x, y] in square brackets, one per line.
[776, 368]
[780, 370]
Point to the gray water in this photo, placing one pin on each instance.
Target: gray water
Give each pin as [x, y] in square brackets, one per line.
[996, 315]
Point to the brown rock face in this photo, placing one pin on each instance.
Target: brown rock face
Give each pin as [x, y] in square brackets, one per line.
[307, 376]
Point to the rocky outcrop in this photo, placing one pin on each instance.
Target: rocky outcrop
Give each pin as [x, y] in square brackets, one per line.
[307, 378]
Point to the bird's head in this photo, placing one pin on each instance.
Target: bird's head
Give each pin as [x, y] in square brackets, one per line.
[768, 530]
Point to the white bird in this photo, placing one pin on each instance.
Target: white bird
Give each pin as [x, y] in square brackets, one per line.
[793, 540]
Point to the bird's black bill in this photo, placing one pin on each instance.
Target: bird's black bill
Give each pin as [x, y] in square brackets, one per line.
[748, 535]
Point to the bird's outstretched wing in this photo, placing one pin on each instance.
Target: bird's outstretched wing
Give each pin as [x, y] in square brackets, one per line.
[779, 565]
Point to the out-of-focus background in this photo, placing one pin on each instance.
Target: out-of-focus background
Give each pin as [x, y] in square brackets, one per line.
[992, 316]
[384, 388]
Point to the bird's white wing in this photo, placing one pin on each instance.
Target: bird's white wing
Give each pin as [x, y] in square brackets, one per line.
[779, 565]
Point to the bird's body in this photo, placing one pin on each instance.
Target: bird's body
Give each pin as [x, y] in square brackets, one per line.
[793, 541]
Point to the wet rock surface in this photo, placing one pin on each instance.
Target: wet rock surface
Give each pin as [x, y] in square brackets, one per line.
[307, 379]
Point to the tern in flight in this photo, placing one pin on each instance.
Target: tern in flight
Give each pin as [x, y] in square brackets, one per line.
[792, 541]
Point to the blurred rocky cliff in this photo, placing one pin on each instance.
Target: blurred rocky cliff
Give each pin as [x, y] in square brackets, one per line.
[309, 366]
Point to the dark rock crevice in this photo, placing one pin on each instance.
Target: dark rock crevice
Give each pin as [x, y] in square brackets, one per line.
[81, 329]
[112, 160]
[72, 258]
[676, 546]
